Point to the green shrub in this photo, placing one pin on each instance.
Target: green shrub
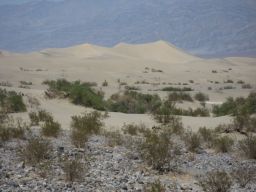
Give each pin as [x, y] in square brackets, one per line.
[179, 96]
[11, 101]
[51, 129]
[201, 97]
[133, 102]
[84, 126]
[237, 106]
[215, 181]
[36, 150]
[131, 129]
[223, 144]
[177, 89]
[79, 93]
[248, 147]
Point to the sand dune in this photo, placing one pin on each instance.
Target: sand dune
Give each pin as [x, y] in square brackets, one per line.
[159, 64]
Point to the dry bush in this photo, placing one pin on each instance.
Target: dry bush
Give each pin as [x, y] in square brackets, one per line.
[84, 126]
[34, 119]
[36, 150]
[12, 129]
[155, 187]
[156, 150]
[51, 129]
[114, 138]
[248, 147]
[208, 136]
[44, 116]
[74, 169]
[201, 97]
[215, 181]
[192, 141]
[223, 144]
[244, 174]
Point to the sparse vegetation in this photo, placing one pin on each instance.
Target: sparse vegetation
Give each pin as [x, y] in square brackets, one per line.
[244, 174]
[155, 187]
[246, 86]
[223, 144]
[248, 147]
[193, 141]
[215, 181]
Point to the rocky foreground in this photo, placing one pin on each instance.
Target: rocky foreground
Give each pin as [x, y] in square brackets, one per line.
[107, 168]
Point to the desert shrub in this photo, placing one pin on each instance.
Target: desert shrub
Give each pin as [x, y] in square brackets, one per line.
[34, 118]
[179, 96]
[207, 135]
[11, 101]
[223, 144]
[248, 146]
[198, 112]
[74, 169]
[84, 126]
[240, 82]
[237, 106]
[36, 150]
[246, 86]
[193, 141]
[215, 181]
[133, 102]
[105, 84]
[156, 150]
[201, 97]
[244, 174]
[51, 128]
[177, 89]
[155, 187]
[229, 81]
[11, 129]
[131, 129]
[79, 93]
[26, 82]
[132, 88]
[44, 116]
[114, 138]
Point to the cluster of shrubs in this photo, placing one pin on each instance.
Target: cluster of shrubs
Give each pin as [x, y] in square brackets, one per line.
[79, 93]
[237, 106]
[11, 102]
[180, 96]
[133, 102]
[177, 89]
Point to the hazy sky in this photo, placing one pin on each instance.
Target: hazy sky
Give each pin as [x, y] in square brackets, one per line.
[4, 2]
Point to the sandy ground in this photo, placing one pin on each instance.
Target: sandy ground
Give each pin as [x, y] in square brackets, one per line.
[128, 63]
